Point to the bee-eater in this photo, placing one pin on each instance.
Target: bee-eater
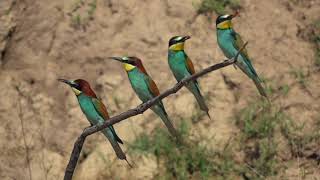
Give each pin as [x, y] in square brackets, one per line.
[181, 67]
[230, 43]
[145, 87]
[95, 111]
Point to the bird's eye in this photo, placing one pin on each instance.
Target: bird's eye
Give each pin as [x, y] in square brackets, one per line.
[225, 16]
[178, 38]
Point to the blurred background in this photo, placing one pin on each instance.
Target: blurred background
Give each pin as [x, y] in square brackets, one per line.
[43, 40]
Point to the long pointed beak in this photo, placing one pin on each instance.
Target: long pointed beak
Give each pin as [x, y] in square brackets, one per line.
[118, 59]
[66, 81]
[186, 38]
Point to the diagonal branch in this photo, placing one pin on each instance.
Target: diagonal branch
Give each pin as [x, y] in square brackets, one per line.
[136, 111]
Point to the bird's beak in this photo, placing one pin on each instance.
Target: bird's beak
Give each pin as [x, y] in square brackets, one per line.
[66, 81]
[235, 14]
[119, 59]
[186, 38]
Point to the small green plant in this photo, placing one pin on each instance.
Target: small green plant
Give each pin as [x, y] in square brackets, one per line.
[261, 160]
[297, 136]
[312, 34]
[218, 6]
[300, 76]
[270, 86]
[316, 40]
[285, 89]
[258, 120]
[185, 159]
[317, 62]
[266, 162]
[92, 8]
[76, 20]
[76, 5]
[82, 12]
[258, 124]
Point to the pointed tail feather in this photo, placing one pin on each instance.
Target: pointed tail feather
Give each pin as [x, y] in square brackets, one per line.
[197, 94]
[208, 115]
[258, 82]
[130, 165]
[170, 126]
[115, 135]
[116, 147]
[164, 116]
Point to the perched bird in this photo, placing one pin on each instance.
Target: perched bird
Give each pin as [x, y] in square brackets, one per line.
[145, 87]
[95, 111]
[230, 43]
[181, 67]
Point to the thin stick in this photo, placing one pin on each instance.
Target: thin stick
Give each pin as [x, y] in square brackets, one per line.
[25, 142]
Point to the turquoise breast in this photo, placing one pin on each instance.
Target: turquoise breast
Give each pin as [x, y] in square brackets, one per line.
[88, 109]
[225, 42]
[177, 64]
[139, 85]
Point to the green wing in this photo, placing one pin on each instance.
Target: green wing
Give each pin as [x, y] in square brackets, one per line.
[238, 44]
[102, 111]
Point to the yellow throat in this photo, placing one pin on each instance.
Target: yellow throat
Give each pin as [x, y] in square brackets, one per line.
[76, 91]
[128, 67]
[177, 47]
[225, 25]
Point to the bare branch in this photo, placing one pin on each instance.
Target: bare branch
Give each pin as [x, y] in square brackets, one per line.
[138, 110]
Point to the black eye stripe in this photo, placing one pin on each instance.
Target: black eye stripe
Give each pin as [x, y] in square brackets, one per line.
[221, 19]
[76, 86]
[174, 41]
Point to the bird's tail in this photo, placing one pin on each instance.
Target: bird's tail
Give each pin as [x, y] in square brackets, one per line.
[258, 84]
[116, 147]
[160, 111]
[194, 89]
